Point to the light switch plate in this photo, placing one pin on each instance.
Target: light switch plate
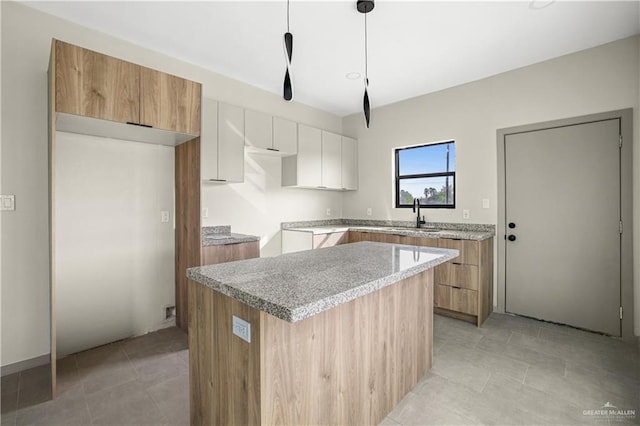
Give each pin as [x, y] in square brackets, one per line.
[369, 211]
[466, 214]
[485, 203]
[328, 211]
[8, 202]
[242, 329]
[205, 212]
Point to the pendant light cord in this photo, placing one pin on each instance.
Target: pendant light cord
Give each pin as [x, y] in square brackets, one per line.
[288, 16]
[366, 56]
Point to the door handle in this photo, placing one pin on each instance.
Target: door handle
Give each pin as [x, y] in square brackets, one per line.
[511, 237]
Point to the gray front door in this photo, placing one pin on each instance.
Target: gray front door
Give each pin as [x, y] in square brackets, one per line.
[562, 216]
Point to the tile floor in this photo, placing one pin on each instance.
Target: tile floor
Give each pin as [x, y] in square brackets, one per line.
[512, 371]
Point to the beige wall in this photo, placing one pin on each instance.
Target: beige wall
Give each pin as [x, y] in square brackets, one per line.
[601, 79]
[26, 40]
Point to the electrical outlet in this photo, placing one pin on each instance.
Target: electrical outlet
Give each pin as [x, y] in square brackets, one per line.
[169, 312]
[241, 328]
[369, 211]
[485, 203]
[8, 203]
[164, 216]
[205, 212]
[328, 211]
[465, 214]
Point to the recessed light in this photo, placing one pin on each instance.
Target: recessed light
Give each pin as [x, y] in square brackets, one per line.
[540, 4]
[354, 75]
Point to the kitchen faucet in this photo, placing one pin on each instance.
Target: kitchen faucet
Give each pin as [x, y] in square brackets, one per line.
[416, 202]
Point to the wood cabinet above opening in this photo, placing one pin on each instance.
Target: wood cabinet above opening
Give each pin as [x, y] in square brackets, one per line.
[104, 96]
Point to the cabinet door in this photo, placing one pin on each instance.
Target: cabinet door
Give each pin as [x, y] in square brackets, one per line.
[169, 102]
[95, 85]
[309, 156]
[258, 131]
[349, 163]
[285, 136]
[457, 275]
[209, 140]
[230, 143]
[331, 160]
[328, 240]
[465, 301]
[469, 250]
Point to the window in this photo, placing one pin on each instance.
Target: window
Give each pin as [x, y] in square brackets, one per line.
[426, 172]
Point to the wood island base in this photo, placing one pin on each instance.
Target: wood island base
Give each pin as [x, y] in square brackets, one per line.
[349, 365]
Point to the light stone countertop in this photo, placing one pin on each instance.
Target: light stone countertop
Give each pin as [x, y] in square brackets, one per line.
[296, 286]
[222, 235]
[434, 230]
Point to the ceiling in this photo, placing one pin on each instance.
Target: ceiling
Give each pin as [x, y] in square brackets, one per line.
[415, 47]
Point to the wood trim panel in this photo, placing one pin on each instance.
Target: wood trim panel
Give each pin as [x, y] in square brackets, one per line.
[188, 230]
[230, 252]
[349, 365]
[95, 85]
[457, 275]
[485, 301]
[169, 102]
[457, 315]
[52, 217]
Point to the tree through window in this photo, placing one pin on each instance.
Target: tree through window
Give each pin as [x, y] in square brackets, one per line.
[426, 172]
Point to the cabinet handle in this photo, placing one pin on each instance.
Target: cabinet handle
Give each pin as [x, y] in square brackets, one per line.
[273, 149]
[217, 180]
[322, 187]
[138, 124]
[456, 263]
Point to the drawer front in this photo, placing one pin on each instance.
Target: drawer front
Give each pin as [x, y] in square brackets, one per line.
[457, 275]
[463, 300]
[469, 250]
[442, 296]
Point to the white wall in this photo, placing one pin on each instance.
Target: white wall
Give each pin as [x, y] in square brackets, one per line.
[114, 256]
[601, 79]
[26, 42]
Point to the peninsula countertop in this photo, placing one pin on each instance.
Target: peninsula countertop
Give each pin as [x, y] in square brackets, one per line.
[296, 286]
[460, 231]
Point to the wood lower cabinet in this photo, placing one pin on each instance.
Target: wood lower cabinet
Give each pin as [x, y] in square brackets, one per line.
[208, 255]
[464, 286]
[230, 252]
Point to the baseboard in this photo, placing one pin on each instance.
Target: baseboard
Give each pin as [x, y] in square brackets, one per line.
[16, 367]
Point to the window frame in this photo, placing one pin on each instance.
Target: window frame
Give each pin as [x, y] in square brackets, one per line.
[398, 178]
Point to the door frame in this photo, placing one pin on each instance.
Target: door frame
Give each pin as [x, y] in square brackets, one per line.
[626, 208]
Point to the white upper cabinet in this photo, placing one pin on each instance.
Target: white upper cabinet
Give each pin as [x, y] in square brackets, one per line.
[258, 130]
[209, 140]
[285, 136]
[231, 142]
[349, 163]
[325, 160]
[331, 160]
[305, 168]
[222, 142]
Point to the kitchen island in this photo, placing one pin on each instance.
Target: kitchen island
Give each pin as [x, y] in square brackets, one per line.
[332, 336]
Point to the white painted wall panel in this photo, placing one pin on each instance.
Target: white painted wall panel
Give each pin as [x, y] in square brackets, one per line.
[114, 256]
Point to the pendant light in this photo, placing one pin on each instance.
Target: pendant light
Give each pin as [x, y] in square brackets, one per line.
[287, 92]
[364, 7]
